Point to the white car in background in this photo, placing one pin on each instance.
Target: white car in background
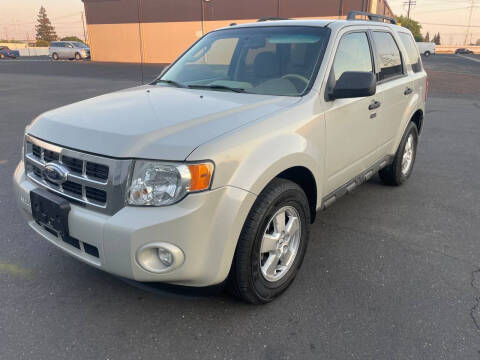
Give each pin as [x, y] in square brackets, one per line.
[426, 48]
[68, 50]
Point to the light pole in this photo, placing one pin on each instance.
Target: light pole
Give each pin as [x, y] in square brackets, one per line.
[203, 14]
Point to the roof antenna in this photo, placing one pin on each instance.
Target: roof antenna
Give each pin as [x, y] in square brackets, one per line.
[139, 13]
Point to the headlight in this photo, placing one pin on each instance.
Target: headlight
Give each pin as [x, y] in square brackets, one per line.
[158, 184]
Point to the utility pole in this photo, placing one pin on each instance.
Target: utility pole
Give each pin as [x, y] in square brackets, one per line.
[84, 32]
[472, 5]
[410, 4]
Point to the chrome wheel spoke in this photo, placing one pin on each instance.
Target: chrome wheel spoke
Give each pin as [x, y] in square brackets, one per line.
[269, 242]
[270, 266]
[279, 222]
[292, 226]
[287, 256]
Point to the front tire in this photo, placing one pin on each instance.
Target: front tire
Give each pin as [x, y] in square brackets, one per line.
[272, 244]
[401, 168]
[2, 56]
[78, 56]
[427, 53]
[55, 56]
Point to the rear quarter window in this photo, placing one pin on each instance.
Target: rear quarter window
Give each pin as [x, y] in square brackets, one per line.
[413, 60]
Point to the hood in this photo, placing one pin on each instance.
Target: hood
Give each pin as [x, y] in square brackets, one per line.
[152, 122]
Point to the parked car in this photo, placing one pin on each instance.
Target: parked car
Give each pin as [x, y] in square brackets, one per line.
[215, 171]
[5, 52]
[426, 48]
[68, 50]
[463, 51]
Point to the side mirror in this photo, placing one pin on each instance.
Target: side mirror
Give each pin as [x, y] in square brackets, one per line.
[354, 84]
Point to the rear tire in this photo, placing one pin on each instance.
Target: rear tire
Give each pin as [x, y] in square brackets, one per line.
[401, 168]
[2, 56]
[269, 253]
[427, 53]
[55, 56]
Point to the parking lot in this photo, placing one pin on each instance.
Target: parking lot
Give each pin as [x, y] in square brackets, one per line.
[390, 273]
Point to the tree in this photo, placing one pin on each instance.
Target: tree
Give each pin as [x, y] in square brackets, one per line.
[427, 37]
[436, 39]
[411, 25]
[478, 42]
[42, 43]
[45, 30]
[72, 38]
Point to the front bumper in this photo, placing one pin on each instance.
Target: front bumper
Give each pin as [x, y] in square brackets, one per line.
[205, 226]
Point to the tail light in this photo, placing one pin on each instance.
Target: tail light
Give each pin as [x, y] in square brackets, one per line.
[427, 86]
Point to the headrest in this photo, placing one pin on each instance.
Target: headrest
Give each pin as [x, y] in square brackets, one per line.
[266, 65]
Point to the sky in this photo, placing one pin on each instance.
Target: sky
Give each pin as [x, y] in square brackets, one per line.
[18, 17]
[453, 12]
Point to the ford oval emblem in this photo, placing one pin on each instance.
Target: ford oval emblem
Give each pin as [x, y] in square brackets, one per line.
[55, 173]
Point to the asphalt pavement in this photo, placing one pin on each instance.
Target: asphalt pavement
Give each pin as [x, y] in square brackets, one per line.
[390, 273]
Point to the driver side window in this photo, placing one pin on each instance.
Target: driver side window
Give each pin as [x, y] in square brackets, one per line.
[353, 54]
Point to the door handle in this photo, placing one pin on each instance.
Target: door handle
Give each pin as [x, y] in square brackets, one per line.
[374, 105]
[408, 91]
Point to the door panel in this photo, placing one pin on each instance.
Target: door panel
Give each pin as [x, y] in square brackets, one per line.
[352, 137]
[393, 85]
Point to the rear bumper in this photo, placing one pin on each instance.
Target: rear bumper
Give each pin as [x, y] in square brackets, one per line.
[204, 226]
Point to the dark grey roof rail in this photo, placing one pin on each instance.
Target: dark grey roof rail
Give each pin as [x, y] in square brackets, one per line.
[271, 19]
[352, 15]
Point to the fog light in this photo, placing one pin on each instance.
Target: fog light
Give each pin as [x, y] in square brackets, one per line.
[160, 257]
[165, 256]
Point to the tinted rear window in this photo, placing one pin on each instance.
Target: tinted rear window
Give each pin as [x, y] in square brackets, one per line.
[389, 55]
[412, 52]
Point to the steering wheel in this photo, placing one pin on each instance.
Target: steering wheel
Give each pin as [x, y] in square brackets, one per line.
[298, 81]
[296, 76]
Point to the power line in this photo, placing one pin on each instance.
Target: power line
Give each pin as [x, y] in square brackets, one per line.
[441, 10]
[454, 25]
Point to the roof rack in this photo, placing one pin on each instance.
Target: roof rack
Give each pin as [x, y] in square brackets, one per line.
[271, 19]
[352, 15]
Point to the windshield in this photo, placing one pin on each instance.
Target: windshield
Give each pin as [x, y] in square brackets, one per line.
[259, 60]
[80, 45]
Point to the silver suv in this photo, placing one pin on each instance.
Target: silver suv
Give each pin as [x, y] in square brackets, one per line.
[68, 50]
[215, 171]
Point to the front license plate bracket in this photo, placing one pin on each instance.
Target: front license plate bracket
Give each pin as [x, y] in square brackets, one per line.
[50, 210]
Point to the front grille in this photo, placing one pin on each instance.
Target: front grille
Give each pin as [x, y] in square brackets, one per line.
[96, 195]
[37, 151]
[98, 182]
[72, 187]
[49, 156]
[97, 170]
[73, 164]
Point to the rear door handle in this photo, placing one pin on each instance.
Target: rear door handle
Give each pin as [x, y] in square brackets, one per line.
[374, 105]
[408, 91]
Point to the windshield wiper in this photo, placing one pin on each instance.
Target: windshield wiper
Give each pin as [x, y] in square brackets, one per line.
[221, 87]
[170, 82]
